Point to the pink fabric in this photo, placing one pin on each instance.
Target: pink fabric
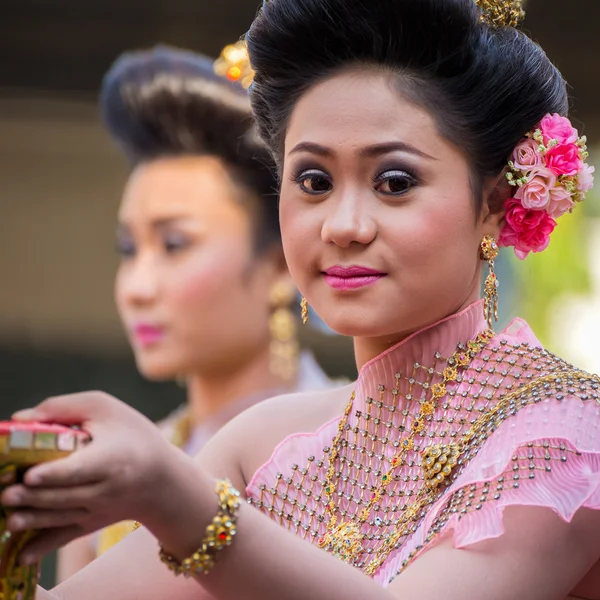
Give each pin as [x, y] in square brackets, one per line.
[569, 426]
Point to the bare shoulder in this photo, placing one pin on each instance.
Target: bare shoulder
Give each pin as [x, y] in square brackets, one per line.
[247, 442]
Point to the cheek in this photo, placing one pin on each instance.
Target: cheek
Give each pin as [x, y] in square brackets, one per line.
[441, 227]
[119, 289]
[436, 246]
[205, 278]
[297, 232]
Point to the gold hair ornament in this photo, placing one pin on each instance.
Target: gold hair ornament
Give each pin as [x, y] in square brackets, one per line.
[501, 13]
[495, 13]
[234, 64]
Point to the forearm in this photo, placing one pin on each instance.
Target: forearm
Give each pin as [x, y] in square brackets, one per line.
[264, 560]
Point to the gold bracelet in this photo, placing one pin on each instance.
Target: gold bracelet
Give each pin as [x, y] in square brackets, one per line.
[218, 535]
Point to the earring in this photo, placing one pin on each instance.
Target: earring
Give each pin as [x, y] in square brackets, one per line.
[304, 308]
[489, 252]
[284, 347]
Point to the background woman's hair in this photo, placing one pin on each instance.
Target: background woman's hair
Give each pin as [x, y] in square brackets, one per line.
[167, 102]
[485, 87]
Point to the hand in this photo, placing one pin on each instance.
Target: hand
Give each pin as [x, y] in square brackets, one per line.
[122, 474]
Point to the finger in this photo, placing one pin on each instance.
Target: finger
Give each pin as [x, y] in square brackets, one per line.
[47, 541]
[80, 468]
[24, 520]
[71, 409]
[21, 496]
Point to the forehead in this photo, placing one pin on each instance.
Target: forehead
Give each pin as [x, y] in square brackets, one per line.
[179, 186]
[358, 108]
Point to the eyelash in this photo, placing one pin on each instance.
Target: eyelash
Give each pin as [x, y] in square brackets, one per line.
[125, 248]
[304, 174]
[387, 175]
[171, 244]
[390, 174]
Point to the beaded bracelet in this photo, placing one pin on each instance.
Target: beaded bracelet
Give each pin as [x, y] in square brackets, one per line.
[218, 535]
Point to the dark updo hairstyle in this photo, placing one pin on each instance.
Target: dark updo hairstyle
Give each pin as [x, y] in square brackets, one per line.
[167, 102]
[486, 87]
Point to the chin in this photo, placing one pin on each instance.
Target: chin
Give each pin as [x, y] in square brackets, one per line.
[352, 323]
[155, 369]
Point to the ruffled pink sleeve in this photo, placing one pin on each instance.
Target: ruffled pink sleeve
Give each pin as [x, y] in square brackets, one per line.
[546, 454]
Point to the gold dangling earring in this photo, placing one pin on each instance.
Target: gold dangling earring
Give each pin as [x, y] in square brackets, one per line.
[304, 307]
[489, 252]
[284, 347]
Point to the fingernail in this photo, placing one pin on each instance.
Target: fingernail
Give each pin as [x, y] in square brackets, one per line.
[27, 414]
[17, 522]
[13, 497]
[33, 478]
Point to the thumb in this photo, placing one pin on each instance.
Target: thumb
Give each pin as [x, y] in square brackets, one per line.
[71, 409]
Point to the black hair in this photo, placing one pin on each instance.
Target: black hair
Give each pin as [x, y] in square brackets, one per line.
[486, 87]
[168, 102]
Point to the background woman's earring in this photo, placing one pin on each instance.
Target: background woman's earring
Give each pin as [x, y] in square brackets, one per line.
[489, 252]
[284, 347]
[304, 307]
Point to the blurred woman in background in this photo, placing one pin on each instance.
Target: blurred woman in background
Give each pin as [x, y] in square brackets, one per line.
[202, 289]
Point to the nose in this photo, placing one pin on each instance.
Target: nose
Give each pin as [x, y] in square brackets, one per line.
[137, 281]
[348, 220]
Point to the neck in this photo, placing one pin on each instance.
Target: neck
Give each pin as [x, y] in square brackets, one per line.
[210, 393]
[366, 349]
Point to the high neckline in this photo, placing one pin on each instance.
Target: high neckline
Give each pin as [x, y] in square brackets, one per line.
[420, 348]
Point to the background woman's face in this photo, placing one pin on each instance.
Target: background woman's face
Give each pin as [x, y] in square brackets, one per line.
[190, 291]
[368, 182]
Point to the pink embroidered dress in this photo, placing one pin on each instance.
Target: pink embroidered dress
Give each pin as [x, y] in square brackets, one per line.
[515, 426]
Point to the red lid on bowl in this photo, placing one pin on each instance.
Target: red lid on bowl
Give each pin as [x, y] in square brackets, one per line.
[6, 427]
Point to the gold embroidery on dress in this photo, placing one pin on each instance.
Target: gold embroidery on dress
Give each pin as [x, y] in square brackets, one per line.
[498, 384]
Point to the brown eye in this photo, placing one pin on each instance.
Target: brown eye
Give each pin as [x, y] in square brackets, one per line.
[125, 247]
[394, 183]
[314, 182]
[175, 242]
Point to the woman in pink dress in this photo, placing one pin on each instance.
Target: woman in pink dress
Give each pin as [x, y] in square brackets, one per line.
[413, 139]
[202, 287]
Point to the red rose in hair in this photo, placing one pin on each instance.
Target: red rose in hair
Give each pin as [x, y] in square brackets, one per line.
[564, 159]
[526, 230]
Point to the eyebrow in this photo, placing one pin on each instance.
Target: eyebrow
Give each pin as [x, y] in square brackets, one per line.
[156, 223]
[367, 152]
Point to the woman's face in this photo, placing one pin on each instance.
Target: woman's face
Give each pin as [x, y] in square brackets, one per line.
[377, 217]
[190, 291]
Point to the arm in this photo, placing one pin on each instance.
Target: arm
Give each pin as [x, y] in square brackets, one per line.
[74, 557]
[539, 557]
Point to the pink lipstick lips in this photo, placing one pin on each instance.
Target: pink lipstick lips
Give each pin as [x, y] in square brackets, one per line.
[351, 278]
[146, 335]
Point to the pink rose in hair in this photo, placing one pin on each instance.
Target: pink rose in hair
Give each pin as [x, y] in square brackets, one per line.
[526, 155]
[526, 230]
[564, 159]
[560, 203]
[555, 127]
[535, 194]
[585, 178]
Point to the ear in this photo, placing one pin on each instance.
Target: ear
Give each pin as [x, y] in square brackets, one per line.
[278, 273]
[496, 192]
